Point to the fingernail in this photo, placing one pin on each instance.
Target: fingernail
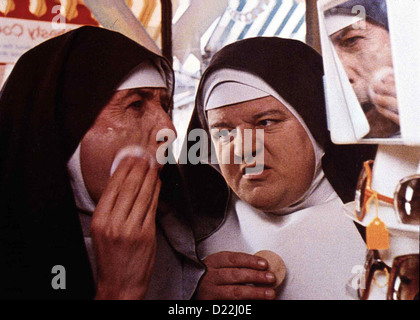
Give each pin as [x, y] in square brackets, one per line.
[270, 294]
[130, 151]
[270, 277]
[262, 263]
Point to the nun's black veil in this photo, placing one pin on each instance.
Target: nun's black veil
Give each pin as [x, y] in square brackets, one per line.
[295, 72]
[51, 99]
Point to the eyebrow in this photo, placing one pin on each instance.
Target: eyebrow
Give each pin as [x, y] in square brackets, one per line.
[220, 124]
[270, 112]
[342, 33]
[148, 94]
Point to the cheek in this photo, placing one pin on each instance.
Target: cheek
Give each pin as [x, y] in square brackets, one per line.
[294, 156]
[225, 154]
[352, 60]
[98, 150]
[305, 161]
[377, 56]
[230, 172]
[384, 56]
[102, 142]
[228, 168]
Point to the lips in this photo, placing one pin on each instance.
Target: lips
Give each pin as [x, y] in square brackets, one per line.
[254, 172]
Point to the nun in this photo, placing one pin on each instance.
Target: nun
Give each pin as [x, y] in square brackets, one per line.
[86, 210]
[288, 198]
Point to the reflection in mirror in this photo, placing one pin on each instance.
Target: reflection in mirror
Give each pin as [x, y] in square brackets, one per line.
[359, 32]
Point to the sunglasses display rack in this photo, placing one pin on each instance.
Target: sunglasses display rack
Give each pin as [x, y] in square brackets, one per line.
[392, 238]
[392, 164]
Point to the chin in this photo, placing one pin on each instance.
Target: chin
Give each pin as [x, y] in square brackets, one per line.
[266, 204]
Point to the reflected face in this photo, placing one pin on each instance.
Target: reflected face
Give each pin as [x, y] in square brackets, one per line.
[288, 154]
[363, 53]
[131, 117]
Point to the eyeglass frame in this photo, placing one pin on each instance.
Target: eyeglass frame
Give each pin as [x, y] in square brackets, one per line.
[369, 192]
[374, 260]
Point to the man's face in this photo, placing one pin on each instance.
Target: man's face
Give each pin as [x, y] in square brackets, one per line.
[131, 117]
[288, 154]
[363, 53]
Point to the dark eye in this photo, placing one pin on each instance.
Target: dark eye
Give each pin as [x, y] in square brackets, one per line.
[266, 122]
[351, 42]
[136, 104]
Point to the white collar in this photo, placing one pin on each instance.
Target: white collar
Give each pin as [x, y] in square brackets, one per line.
[83, 200]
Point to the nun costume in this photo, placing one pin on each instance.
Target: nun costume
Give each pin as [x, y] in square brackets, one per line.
[319, 245]
[50, 101]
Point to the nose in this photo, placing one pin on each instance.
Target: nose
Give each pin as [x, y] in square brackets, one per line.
[165, 134]
[248, 144]
[238, 144]
[164, 127]
[350, 65]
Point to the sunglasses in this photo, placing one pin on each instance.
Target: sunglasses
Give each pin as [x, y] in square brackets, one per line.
[402, 279]
[406, 199]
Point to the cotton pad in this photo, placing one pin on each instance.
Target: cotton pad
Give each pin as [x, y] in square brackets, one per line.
[130, 151]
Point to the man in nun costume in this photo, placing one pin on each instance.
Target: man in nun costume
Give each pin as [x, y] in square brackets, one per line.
[292, 204]
[80, 188]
